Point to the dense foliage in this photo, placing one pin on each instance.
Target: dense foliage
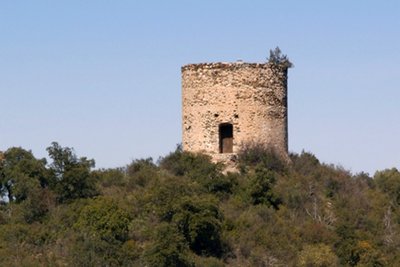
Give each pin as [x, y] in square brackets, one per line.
[184, 211]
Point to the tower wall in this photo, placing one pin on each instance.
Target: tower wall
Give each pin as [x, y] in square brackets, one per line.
[252, 97]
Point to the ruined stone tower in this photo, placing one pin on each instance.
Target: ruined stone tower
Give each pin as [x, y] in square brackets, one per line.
[226, 105]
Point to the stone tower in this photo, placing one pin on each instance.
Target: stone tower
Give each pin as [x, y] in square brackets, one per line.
[226, 105]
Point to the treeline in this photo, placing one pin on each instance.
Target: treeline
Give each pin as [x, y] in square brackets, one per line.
[184, 211]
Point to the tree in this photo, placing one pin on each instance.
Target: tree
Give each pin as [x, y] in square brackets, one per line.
[389, 182]
[72, 175]
[277, 58]
[20, 171]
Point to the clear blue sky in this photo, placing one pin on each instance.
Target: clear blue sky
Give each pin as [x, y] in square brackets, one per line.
[104, 76]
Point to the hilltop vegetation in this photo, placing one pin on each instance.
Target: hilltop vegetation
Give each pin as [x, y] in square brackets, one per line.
[183, 211]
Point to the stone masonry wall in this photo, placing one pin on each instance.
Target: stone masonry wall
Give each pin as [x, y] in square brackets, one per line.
[250, 96]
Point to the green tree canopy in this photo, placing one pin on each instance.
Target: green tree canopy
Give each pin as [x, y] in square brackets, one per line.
[72, 175]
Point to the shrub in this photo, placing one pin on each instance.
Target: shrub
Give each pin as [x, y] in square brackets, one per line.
[254, 154]
[389, 182]
[208, 262]
[260, 189]
[168, 249]
[110, 177]
[305, 163]
[318, 255]
[199, 168]
[100, 232]
[141, 172]
[199, 221]
[277, 58]
[103, 218]
[221, 185]
[194, 166]
[140, 164]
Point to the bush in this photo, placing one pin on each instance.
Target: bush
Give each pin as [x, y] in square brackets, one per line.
[277, 58]
[35, 207]
[318, 255]
[199, 168]
[193, 166]
[221, 185]
[200, 221]
[208, 262]
[169, 249]
[101, 230]
[185, 212]
[110, 177]
[389, 182]
[141, 172]
[254, 154]
[305, 163]
[103, 218]
[260, 188]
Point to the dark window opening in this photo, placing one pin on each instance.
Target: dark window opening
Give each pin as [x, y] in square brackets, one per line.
[225, 138]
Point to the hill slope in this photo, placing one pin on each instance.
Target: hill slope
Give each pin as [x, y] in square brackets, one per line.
[183, 211]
